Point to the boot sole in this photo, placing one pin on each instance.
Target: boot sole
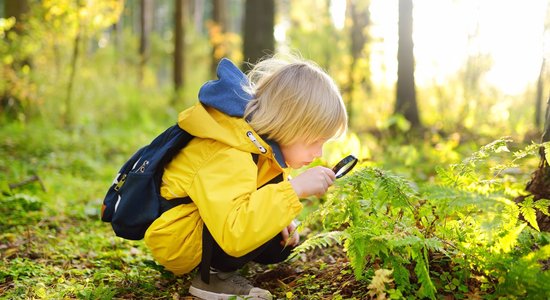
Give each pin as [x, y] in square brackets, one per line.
[206, 295]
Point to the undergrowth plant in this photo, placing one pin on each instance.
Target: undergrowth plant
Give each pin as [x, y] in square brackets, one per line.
[461, 235]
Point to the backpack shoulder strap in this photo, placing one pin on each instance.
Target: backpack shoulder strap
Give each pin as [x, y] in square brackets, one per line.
[166, 205]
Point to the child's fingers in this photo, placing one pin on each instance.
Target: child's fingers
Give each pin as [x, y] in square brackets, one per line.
[285, 234]
[288, 239]
[295, 239]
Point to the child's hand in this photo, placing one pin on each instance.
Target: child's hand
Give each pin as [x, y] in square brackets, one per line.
[290, 235]
[314, 181]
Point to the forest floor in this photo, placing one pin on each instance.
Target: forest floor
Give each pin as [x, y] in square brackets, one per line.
[316, 275]
[57, 261]
[53, 244]
[322, 273]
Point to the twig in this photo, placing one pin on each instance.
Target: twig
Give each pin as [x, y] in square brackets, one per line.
[31, 179]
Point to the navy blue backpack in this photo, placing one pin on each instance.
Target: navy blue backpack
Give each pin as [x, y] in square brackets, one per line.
[133, 201]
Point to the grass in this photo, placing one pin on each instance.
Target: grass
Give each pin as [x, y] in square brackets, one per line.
[52, 242]
[54, 246]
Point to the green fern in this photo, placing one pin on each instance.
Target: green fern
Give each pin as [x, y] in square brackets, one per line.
[527, 209]
[525, 275]
[320, 240]
[421, 269]
[543, 206]
[357, 249]
[530, 150]
[467, 217]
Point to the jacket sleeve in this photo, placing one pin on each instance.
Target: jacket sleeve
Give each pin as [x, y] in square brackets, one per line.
[239, 216]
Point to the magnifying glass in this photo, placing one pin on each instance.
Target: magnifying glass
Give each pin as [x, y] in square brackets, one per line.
[345, 165]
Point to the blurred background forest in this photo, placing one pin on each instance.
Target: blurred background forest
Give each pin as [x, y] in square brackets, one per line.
[450, 66]
[426, 83]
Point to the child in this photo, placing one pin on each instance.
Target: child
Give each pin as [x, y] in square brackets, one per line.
[282, 113]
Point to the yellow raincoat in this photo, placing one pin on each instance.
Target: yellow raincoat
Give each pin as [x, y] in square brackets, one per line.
[217, 172]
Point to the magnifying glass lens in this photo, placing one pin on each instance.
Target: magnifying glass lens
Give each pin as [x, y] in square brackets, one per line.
[344, 170]
[344, 166]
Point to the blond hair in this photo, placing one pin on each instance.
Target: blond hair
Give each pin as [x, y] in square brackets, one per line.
[294, 100]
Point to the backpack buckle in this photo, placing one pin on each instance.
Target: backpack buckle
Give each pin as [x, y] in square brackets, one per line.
[120, 182]
[144, 165]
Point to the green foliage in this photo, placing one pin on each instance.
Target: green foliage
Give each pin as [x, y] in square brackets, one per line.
[18, 209]
[525, 275]
[459, 227]
[36, 63]
[36, 52]
[323, 239]
[375, 208]
[462, 227]
[529, 210]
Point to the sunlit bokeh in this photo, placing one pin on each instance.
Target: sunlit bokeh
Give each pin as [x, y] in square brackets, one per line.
[446, 32]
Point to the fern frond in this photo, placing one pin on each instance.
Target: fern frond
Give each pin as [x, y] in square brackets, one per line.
[421, 269]
[446, 176]
[527, 276]
[542, 205]
[320, 240]
[497, 146]
[357, 249]
[528, 151]
[407, 241]
[434, 244]
[397, 190]
[466, 175]
[377, 287]
[448, 201]
[400, 273]
[527, 209]
[506, 243]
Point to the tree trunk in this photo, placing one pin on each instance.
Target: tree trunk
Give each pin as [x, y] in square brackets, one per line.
[68, 113]
[539, 186]
[179, 45]
[360, 20]
[197, 8]
[217, 31]
[258, 30]
[116, 36]
[16, 9]
[538, 97]
[405, 103]
[10, 103]
[146, 23]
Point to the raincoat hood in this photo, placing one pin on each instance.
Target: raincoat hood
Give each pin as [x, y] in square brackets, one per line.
[219, 114]
[226, 94]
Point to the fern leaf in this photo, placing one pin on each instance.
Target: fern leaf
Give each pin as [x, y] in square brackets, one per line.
[427, 287]
[323, 239]
[400, 272]
[507, 242]
[527, 151]
[356, 251]
[528, 211]
[542, 205]
[434, 244]
[409, 241]
[377, 287]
